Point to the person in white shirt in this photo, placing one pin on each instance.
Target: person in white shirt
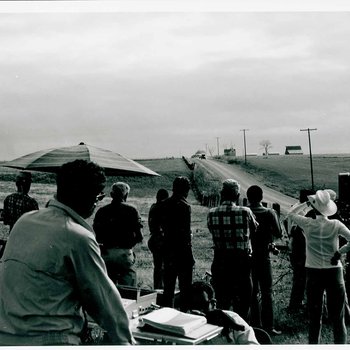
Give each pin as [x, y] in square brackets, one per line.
[323, 266]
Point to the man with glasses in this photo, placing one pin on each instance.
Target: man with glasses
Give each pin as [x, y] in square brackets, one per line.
[118, 229]
[52, 274]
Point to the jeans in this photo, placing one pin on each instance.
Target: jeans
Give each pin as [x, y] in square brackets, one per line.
[298, 285]
[262, 280]
[232, 281]
[331, 281]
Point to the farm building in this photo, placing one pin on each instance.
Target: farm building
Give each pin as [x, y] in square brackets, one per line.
[293, 150]
[230, 152]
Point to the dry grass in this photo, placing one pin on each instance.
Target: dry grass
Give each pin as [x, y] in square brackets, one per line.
[275, 170]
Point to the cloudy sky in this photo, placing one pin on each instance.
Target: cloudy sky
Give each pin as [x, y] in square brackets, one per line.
[150, 84]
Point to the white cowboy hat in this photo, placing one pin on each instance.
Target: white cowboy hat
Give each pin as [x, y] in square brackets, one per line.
[323, 203]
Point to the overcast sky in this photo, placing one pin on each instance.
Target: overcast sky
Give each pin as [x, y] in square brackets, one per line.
[154, 84]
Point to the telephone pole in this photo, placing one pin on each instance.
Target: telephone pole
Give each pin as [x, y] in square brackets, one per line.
[245, 145]
[217, 143]
[312, 171]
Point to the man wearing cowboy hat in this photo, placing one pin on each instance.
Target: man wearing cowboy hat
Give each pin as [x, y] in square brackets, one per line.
[323, 267]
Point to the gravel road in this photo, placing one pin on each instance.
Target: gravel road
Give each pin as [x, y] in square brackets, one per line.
[226, 171]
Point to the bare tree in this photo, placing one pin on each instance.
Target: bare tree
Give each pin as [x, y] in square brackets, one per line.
[266, 145]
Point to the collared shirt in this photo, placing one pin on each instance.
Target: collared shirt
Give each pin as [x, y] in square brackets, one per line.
[50, 271]
[322, 237]
[118, 225]
[268, 229]
[231, 226]
[15, 205]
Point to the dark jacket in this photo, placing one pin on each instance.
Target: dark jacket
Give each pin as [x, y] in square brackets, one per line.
[118, 225]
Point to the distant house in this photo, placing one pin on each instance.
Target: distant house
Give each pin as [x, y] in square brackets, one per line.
[293, 150]
[230, 152]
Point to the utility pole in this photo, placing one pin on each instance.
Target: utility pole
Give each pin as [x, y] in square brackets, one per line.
[312, 171]
[245, 145]
[217, 143]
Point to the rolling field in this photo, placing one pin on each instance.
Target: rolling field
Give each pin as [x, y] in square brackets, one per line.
[285, 173]
[289, 174]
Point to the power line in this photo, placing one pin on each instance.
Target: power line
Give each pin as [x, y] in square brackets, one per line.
[312, 171]
[245, 145]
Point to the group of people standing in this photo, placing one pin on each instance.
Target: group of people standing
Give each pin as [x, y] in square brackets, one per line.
[241, 236]
[243, 240]
[67, 268]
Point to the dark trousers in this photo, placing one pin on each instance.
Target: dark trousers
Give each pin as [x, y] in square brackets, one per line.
[232, 282]
[158, 269]
[119, 263]
[298, 285]
[262, 314]
[181, 268]
[330, 281]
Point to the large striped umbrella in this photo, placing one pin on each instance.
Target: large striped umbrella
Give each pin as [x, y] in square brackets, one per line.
[50, 160]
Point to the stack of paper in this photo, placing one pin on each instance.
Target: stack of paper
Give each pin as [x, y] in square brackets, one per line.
[173, 321]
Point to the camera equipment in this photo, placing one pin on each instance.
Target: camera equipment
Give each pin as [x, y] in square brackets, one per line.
[273, 249]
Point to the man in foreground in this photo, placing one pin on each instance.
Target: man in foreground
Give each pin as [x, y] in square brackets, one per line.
[231, 226]
[52, 272]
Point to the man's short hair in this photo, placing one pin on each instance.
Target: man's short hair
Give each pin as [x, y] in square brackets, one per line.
[181, 184]
[120, 189]
[24, 177]
[230, 188]
[255, 193]
[162, 194]
[79, 177]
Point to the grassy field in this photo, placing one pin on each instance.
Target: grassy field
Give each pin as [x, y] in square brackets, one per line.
[280, 172]
[289, 174]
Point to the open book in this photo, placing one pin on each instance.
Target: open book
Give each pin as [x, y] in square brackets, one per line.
[173, 321]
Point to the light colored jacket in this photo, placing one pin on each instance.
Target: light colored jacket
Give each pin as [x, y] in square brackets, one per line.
[321, 235]
[50, 272]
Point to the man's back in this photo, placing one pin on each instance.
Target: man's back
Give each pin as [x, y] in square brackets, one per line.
[118, 224]
[269, 227]
[37, 313]
[15, 205]
[176, 222]
[47, 282]
[230, 226]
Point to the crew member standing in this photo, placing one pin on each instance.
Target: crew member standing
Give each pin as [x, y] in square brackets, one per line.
[118, 229]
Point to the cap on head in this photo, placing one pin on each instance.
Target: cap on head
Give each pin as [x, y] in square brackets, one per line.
[231, 186]
[323, 203]
[120, 189]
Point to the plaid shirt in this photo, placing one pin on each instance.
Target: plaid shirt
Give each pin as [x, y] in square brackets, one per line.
[15, 205]
[231, 225]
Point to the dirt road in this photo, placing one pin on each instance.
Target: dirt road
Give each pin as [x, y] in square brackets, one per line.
[225, 171]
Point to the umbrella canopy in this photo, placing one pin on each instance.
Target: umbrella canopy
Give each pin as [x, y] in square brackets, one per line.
[50, 160]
